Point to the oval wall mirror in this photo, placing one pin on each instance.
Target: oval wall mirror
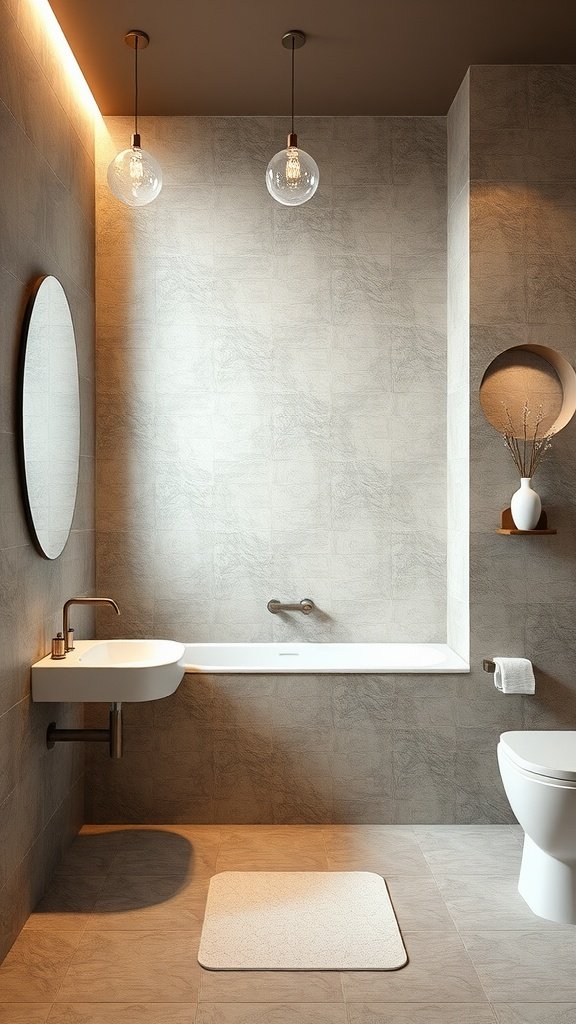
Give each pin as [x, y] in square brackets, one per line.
[529, 376]
[49, 416]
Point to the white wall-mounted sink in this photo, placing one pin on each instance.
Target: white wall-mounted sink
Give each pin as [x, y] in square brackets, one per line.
[111, 671]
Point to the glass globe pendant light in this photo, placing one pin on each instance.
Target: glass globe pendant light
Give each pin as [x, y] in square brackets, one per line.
[134, 177]
[292, 175]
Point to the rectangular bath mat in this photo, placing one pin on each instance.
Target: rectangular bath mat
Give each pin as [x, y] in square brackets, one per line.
[300, 921]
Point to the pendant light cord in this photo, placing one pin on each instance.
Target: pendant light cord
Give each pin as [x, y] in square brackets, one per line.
[136, 41]
[292, 130]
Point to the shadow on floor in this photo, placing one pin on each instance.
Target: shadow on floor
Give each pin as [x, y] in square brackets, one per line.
[121, 870]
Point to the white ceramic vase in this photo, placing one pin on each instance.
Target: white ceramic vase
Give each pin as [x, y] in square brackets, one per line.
[525, 506]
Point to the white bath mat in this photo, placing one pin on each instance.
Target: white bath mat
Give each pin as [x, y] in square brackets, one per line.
[300, 921]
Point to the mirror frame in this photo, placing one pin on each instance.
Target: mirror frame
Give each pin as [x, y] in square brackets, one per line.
[24, 348]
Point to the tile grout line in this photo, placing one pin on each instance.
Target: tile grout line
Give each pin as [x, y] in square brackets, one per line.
[85, 928]
[221, 833]
[221, 829]
[341, 979]
[451, 916]
[455, 923]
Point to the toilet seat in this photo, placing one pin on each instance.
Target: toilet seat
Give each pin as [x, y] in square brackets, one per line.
[546, 753]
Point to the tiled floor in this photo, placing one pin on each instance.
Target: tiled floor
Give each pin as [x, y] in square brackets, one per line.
[115, 939]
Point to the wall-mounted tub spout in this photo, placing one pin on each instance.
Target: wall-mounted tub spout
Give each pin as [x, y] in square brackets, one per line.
[305, 606]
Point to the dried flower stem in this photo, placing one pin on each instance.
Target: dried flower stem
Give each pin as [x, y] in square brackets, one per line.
[528, 450]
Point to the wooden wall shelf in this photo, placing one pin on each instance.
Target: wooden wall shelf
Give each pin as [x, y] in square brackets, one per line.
[509, 530]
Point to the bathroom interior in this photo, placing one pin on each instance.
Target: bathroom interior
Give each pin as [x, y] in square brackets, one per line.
[287, 513]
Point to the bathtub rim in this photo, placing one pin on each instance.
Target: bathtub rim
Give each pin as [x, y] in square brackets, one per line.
[452, 663]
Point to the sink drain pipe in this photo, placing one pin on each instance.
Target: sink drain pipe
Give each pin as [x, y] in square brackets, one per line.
[112, 735]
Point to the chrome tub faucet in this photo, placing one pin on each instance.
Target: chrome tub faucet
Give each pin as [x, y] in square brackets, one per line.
[306, 605]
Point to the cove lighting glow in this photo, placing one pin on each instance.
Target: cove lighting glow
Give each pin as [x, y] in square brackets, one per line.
[46, 18]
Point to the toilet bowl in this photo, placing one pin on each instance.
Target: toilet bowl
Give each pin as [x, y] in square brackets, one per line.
[538, 770]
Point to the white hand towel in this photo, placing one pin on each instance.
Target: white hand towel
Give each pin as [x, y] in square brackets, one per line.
[514, 675]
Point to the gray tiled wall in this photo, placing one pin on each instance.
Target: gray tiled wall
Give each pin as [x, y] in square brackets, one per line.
[46, 227]
[382, 748]
[522, 283]
[458, 374]
[271, 384]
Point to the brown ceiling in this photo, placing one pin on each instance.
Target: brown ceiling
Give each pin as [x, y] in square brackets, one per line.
[362, 56]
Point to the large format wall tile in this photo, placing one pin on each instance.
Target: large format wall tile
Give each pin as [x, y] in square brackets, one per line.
[288, 439]
[286, 375]
[522, 238]
[276, 354]
[46, 227]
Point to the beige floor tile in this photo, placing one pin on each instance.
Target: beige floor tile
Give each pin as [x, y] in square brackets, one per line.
[128, 966]
[470, 849]
[439, 970]
[388, 850]
[418, 904]
[116, 936]
[272, 848]
[102, 830]
[122, 1013]
[203, 833]
[146, 902]
[305, 832]
[67, 904]
[486, 902]
[206, 836]
[420, 1013]
[24, 1013]
[36, 965]
[517, 833]
[270, 987]
[177, 850]
[271, 1013]
[535, 1013]
[529, 965]
[90, 853]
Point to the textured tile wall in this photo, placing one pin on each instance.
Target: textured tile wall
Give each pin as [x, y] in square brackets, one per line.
[522, 283]
[458, 373]
[271, 384]
[271, 423]
[230, 748]
[46, 227]
[286, 749]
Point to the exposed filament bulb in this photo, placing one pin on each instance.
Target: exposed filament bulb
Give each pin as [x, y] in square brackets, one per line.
[293, 169]
[292, 174]
[136, 166]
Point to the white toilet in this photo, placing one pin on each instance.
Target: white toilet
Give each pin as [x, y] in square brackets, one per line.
[538, 770]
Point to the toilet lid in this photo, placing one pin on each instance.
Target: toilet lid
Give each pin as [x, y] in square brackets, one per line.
[545, 753]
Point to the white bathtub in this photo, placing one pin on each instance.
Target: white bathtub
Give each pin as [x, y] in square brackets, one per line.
[317, 658]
